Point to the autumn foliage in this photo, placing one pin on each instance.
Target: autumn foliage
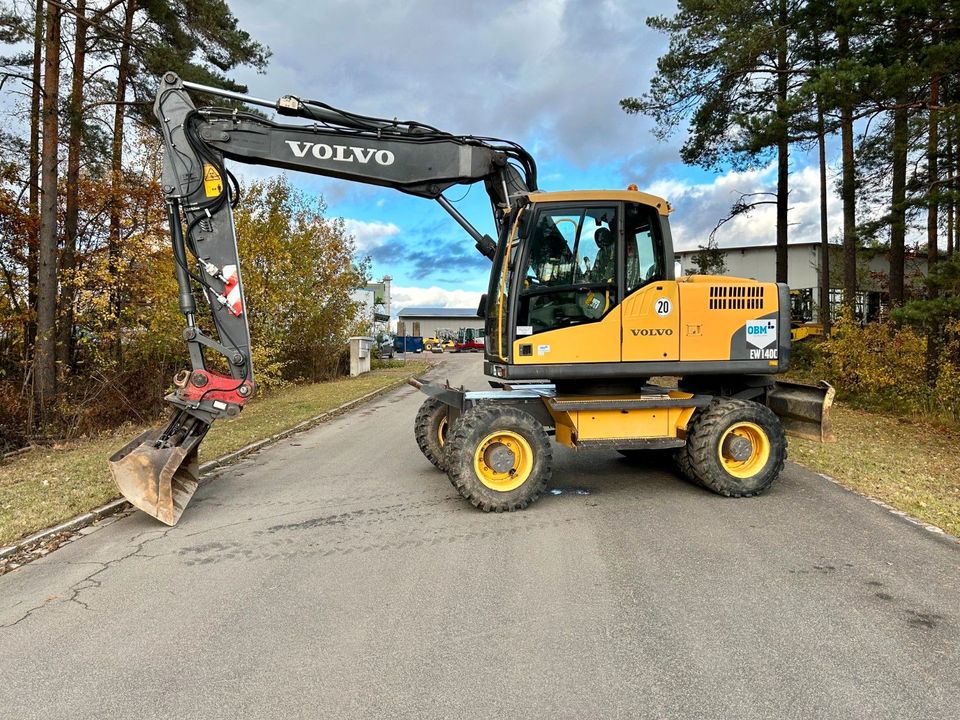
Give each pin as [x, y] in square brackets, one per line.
[90, 328]
[124, 341]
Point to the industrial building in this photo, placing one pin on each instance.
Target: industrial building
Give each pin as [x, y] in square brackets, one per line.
[375, 304]
[427, 321]
[759, 262]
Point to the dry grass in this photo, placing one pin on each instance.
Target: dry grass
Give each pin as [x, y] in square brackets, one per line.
[909, 463]
[49, 485]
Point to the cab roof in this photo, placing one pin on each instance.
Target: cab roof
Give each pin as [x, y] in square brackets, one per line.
[661, 205]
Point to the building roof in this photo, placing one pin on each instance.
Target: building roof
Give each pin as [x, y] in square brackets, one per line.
[437, 312]
[768, 246]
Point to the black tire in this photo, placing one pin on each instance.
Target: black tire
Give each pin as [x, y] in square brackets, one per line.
[477, 429]
[681, 456]
[430, 429]
[708, 431]
[681, 461]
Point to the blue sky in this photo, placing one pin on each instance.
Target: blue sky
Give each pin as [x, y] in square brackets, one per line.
[547, 74]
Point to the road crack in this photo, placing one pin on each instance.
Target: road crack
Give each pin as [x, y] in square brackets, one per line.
[91, 581]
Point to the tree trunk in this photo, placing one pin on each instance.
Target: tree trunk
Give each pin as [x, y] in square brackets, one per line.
[72, 211]
[848, 186]
[948, 131]
[934, 335]
[933, 188]
[898, 196]
[953, 242]
[116, 171]
[783, 145]
[848, 193]
[44, 358]
[825, 318]
[34, 169]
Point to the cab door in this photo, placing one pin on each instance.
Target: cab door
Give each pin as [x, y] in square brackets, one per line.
[651, 309]
[567, 306]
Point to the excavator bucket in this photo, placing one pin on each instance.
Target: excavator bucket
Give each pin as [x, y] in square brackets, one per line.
[159, 473]
[804, 410]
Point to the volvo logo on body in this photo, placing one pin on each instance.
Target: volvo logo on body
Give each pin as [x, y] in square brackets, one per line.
[649, 332]
[341, 153]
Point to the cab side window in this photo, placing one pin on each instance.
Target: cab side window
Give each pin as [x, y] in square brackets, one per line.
[642, 247]
[571, 268]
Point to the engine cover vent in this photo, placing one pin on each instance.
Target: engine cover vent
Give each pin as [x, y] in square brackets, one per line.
[736, 297]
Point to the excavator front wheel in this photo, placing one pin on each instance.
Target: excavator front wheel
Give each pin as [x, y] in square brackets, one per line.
[736, 448]
[430, 429]
[499, 457]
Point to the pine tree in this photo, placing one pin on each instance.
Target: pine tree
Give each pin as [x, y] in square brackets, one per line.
[729, 72]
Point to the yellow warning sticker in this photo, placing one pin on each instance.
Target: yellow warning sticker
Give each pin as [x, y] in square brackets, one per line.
[212, 183]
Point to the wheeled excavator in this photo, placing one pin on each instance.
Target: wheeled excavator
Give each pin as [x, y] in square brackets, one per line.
[583, 309]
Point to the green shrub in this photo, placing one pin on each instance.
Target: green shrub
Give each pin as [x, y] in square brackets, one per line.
[883, 365]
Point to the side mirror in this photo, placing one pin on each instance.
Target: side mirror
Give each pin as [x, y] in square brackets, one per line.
[677, 269]
[482, 309]
[523, 223]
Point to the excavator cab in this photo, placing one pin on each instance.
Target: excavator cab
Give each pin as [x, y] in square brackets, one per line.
[568, 261]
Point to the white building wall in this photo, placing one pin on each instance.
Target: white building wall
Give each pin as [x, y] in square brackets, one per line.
[430, 325]
[365, 312]
[760, 263]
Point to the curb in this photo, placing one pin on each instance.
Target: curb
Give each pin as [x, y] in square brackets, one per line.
[117, 506]
[904, 516]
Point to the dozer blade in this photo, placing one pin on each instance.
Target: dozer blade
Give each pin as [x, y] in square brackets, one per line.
[157, 474]
[804, 410]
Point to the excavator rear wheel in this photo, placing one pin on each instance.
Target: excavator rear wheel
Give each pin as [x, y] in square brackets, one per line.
[499, 458]
[736, 448]
[431, 429]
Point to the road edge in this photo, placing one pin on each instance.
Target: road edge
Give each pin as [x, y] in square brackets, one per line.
[906, 517]
[114, 507]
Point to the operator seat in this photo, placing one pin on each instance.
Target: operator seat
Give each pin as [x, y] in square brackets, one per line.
[604, 266]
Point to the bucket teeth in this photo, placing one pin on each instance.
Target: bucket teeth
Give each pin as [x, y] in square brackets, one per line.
[159, 480]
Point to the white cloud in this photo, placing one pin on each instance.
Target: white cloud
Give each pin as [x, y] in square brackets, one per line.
[550, 71]
[698, 207]
[370, 235]
[404, 297]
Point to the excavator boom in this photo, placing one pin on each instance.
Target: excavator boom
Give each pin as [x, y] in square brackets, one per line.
[157, 471]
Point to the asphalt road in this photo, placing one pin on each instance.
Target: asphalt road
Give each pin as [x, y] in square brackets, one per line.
[338, 574]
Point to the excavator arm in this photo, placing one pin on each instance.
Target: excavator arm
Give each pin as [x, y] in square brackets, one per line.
[158, 471]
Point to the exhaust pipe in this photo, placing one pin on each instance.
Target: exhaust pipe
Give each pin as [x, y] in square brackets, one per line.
[804, 410]
[158, 471]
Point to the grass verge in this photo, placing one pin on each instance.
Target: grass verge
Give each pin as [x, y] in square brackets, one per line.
[908, 463]
[50, 485]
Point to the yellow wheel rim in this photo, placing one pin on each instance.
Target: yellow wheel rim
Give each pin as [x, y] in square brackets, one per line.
[503, 460]
[442, 431]
[759, 450]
